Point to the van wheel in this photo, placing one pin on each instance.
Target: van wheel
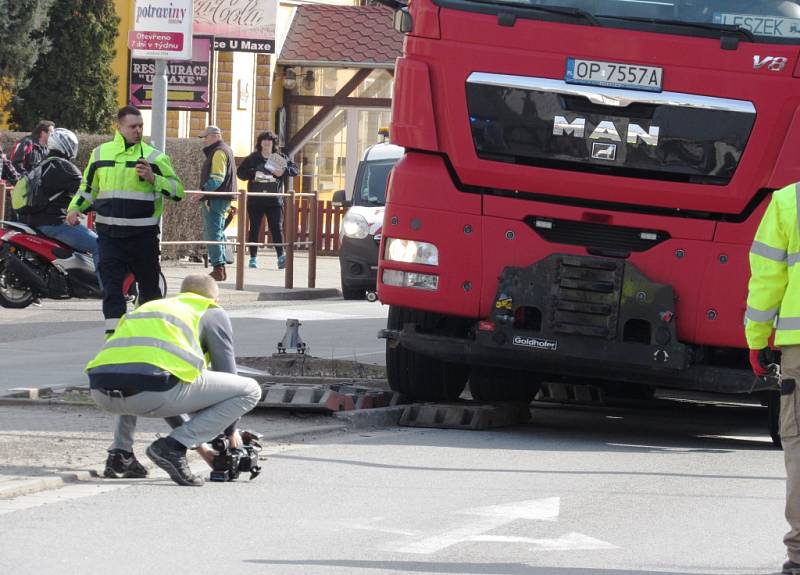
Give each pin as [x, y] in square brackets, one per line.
[416, 376]
[350, 292]
[497, 384]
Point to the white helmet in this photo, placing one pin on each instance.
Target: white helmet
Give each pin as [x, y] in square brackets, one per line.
[65, 142]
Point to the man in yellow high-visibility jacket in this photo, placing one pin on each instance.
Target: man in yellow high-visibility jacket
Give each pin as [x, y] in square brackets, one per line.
[155, 365]
[126, 182]
[773, 302]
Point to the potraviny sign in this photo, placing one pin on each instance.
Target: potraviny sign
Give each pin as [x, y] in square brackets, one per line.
[238, 25]
[188, 81]
[162, 29]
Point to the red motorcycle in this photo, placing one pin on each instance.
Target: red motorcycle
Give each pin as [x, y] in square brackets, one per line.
[34, 266]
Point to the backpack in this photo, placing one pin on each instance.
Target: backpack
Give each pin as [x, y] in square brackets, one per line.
[27, 196]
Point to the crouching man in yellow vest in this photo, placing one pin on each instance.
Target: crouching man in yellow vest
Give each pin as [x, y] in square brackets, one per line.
[156, 365]
[773, 302]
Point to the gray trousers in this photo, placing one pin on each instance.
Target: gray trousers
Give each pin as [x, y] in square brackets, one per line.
[214, 401]
[790, 438]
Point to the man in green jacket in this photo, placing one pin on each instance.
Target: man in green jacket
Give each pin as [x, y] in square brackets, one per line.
[773, 302]
[125, 182]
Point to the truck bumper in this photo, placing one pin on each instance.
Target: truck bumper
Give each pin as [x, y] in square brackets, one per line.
[582, 317]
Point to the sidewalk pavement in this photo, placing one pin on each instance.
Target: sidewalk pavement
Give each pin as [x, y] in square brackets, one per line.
[266, 282]
[49, 445]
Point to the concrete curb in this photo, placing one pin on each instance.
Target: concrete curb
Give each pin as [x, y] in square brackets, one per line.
[228, 295]
[27, 486]
[380, 417]
[41, 402]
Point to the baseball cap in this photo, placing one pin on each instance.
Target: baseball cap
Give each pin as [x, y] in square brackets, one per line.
[211, 130]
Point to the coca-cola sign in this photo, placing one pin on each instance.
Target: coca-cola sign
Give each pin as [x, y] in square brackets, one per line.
[252, 21]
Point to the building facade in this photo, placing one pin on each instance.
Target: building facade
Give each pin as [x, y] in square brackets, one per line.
[325, 90]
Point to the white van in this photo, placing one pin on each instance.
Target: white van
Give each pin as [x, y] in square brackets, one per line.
[363, 222]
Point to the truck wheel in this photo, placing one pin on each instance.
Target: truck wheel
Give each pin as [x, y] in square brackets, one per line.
[416, 376]
[496, 384]
[625, 390]
[774, 416]
[350, 292]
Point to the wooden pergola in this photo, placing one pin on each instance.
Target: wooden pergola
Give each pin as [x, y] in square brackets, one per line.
[328, 107]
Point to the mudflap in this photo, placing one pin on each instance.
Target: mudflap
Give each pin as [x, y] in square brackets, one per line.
[595, 310]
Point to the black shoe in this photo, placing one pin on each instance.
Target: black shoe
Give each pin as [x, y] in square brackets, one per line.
[173, 462]
[791, 568]
[120, 465]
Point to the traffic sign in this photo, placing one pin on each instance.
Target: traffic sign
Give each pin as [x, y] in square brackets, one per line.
[188, 82]
[162, 29]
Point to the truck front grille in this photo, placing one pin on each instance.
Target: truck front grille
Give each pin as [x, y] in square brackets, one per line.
[594, 235]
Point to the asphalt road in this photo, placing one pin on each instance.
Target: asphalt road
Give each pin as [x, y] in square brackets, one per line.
[50, 345]
[673, 489]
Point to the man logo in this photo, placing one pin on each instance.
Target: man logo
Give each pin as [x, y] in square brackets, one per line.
[602, 151]
[606, 130]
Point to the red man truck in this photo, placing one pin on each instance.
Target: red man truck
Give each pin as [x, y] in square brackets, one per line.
[581, 185]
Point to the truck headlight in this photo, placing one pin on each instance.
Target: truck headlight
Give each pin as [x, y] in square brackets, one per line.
[411, 252]
[355, 226]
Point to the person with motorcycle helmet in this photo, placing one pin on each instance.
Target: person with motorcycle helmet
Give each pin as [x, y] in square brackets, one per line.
[60, 181]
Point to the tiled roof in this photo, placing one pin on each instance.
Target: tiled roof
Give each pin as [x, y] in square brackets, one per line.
[324, 34]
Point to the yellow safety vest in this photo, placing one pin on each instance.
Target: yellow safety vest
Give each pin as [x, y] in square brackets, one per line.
[164, 333]
[112, 186]
[774, 290]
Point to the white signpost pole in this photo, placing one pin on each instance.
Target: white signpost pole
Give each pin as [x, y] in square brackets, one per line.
[162, 31]
[158, 129]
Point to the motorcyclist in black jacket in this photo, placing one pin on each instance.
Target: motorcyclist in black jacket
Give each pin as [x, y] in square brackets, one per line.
[60, 181]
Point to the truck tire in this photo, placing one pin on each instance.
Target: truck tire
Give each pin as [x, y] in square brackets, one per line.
[625, 390]
[419, 377]
[493, 384]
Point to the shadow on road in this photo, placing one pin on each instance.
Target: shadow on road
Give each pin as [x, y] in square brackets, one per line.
[670, 427]
[466, 568]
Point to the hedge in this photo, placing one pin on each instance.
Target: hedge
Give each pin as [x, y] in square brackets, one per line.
[182, 220]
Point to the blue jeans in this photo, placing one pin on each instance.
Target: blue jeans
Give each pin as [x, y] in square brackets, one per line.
[214, 228]
[77, 237]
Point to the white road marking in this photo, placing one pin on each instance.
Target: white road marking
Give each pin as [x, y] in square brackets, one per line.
[534, 509]
[431, 544]
[369, 525]
[490, 518]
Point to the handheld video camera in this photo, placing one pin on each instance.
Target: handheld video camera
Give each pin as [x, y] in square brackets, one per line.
[230, 462]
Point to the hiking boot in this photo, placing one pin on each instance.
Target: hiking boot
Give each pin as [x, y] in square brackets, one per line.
[281, 261]
[219, 273]
[123, 464]
[252, 263]
[791, 568]
[173, 462]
